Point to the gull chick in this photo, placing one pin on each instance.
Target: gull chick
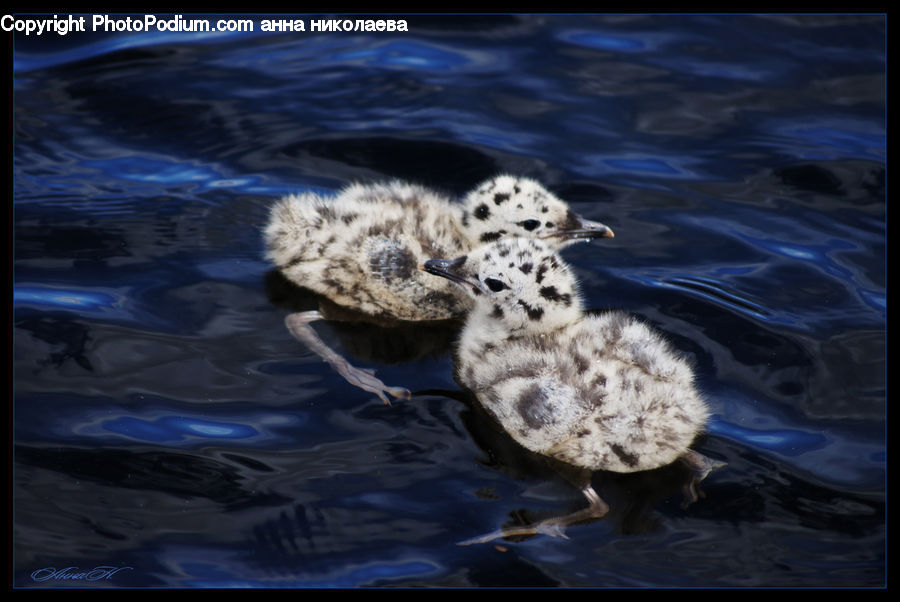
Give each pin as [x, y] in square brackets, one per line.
[361, 249]
[594, 392]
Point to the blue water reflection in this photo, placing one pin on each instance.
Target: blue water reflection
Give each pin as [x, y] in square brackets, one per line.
[784, 441]
[617, 43]
[171, 429]
[91, 301]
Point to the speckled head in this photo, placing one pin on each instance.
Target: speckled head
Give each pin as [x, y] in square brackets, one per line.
[512, 206]
[520, 283]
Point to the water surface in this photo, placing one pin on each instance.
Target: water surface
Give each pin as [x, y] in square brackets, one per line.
[166, 423]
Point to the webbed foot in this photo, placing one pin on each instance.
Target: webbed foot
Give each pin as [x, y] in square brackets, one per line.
[701, 466]
[554, 527]
[298, 324]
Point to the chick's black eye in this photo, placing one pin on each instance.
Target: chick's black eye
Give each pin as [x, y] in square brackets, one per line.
[530, 224]
[494, 284]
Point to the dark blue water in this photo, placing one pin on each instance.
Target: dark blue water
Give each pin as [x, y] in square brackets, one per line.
[167, 425]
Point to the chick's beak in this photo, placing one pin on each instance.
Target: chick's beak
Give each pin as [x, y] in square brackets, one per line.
[585, 228]
[445, 268]
[578, 228]
[591, 229]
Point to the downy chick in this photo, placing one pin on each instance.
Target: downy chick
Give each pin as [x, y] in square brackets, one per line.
[594, 392]
[361, 249]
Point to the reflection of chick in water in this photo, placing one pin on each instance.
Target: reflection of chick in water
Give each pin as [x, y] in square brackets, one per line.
[361, 336]
[598, 392]
[360, 249]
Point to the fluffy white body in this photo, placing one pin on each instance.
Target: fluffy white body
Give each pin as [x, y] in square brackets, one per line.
[603, 393]
[361, 248]
[595, 392]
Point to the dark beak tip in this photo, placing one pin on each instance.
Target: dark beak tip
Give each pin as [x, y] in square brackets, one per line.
[589, 233]
[597, 230]
[438, 267]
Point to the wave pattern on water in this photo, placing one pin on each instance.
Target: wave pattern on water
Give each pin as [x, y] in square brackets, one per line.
[165, 420]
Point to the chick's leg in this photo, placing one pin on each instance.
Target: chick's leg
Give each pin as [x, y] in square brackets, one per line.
[701, 466]
[299, 326]
[554, 527]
